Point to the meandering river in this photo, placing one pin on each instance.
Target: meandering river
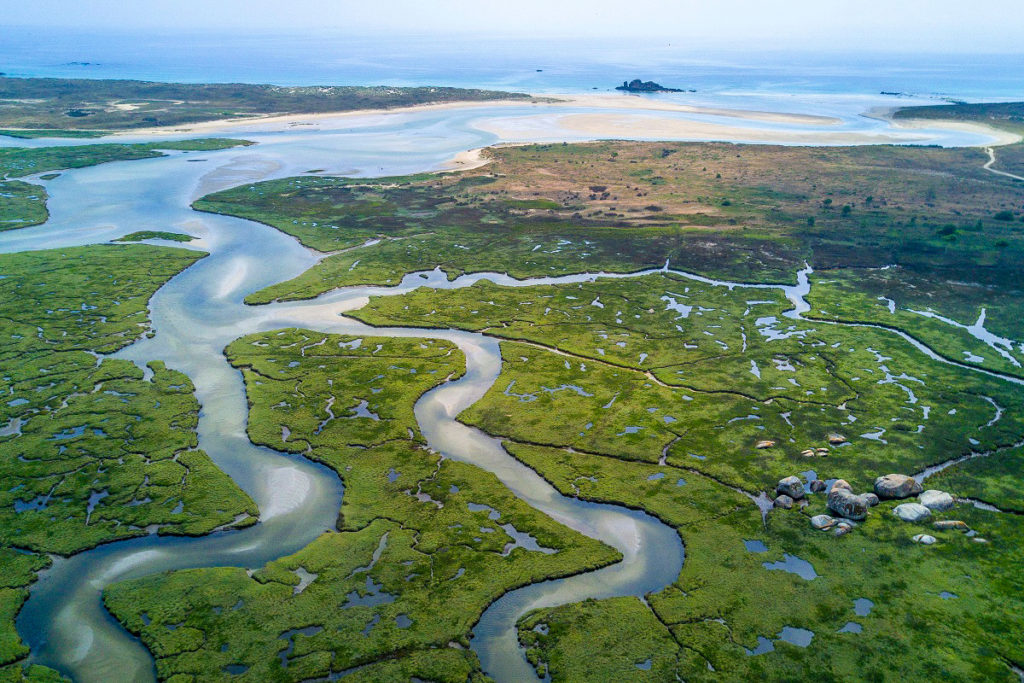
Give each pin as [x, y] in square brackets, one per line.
[201, 310]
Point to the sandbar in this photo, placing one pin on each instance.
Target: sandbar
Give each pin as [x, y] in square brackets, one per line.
[285, 122]
[555, 126]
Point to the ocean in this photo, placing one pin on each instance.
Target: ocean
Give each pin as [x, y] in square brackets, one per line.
[524, 64]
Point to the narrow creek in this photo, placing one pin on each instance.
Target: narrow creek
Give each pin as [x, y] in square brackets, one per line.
[200, 311]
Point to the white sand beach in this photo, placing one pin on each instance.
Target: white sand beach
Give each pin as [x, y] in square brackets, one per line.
[553, 126]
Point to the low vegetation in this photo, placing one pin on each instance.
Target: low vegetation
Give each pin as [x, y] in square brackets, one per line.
[32, 134]
[16, 162]
[1008, 115]
[682, 398]
[424, 544]
[943, 313]
[657, 392]
[155, 235]
[21, 205]
[74, 106]
[688, 400]
[742, 212]
[92, 450]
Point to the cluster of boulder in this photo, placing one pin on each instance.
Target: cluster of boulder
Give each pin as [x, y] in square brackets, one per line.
[849, 507]
[812, 452]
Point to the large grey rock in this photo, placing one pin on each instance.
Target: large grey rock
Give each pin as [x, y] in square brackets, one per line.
[783, 501]
[936, 500]
[845, 504]
[912, 512]
[841, 484]
[822, 522]
[870, 498]
[792, 487]
[896, 486]
[947, 524]
[924, 539]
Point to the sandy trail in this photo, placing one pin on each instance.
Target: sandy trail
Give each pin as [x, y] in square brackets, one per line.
[992, 160]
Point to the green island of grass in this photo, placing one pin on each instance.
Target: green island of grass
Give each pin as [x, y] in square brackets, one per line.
[16, 162]
[424, 544]
[1006, 115]
[21, 205]
[32, 134]
[155, 235]
[90, 450]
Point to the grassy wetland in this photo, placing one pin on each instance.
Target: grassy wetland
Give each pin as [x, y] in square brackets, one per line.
[679, 446]
[94, 449]
[423, 544]
[666, 392]
[688, 399]
[751, 213]
[610, 406]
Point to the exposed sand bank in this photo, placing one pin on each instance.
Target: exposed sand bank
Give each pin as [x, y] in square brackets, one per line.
[284, 122]
[1002, 137]
[648, 103]
[625, 115]
[465, 161]
[554, 126]
[271, 123]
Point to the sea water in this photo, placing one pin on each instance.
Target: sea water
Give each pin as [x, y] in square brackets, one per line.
[533, 65]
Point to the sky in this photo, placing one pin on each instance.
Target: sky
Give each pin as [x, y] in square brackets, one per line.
[890, 25]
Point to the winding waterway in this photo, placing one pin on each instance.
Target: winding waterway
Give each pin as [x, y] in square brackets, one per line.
[200, 311]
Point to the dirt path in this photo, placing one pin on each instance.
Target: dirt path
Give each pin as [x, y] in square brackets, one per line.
[992, 160]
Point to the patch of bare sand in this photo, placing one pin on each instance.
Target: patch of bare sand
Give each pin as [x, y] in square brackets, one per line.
[282, 122]
[551, 126]
[646, 103]
[1002, 137]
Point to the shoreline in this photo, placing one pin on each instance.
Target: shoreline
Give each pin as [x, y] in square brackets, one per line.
[559, 126]
[627, 102]
[643, 103]
[285, 122]
[465, 161]
[1002, 137]
[624, 115]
